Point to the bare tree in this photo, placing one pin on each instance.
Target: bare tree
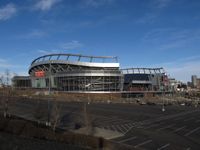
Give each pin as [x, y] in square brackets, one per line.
[87, 118]
[7, 74]
[6, 94]
[38, 111]
[2, 81]
[6, 91]
[55, 116]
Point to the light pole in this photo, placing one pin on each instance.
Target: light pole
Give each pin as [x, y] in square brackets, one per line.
[163, 107]
[48, 117]
[163, 104]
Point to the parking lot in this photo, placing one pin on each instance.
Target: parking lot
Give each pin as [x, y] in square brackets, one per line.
[142, 126]
[171, 132]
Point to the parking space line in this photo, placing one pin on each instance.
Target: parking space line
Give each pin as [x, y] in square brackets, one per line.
[111, 121]
[188, 119]
[129, 139]
[118, 127]
[178, 129]
[153, 125]
[127, 126]
[164, 146]
[166, 127]
[197, 120]
[113, 128]
[124, 128]
[133, 124]
[179, 118]
[143, 143]
[192, 131]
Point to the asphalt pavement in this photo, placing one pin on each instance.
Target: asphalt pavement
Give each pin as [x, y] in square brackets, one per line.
[142, 126]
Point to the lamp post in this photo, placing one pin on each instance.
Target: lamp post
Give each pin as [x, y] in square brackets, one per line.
[163, 104]
[163, 107]
[48, 117]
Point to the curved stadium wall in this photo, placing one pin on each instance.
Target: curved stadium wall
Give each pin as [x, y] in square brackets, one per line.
[76, 73]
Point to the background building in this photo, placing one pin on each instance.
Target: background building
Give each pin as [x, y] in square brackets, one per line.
[195, 82]
[22, 82]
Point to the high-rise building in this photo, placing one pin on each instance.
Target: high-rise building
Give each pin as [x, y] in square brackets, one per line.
[194, 81]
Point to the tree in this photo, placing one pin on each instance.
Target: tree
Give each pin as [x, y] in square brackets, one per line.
[38, 111]
[55, 115]
[7, 75]
[2, 81]
[87, 118]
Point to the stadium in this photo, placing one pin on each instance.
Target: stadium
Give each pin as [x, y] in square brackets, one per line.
[80, 73]
[74, 72]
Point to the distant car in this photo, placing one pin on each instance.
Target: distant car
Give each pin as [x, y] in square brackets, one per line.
[151, 103]
[143, 103]
[182, 104]
[137, 100]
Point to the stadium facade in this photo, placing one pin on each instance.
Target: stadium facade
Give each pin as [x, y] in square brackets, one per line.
[72, 72]
[79, 73]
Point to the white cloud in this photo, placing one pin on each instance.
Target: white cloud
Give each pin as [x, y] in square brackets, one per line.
[171, 38]
[46, 52]
[97, 3]
[162, 3]
[2, 60]
[154, 12]
[43, 52]
[147, 18]
[45, 5]
[7, 11]
[7, 65]
[71, 45]
[36, 33]
[182, 69]
[4, 64]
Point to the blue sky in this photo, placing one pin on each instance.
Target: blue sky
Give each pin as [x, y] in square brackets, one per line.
[142, 33]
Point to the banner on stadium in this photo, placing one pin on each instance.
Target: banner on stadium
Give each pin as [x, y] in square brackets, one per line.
[39, 74]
